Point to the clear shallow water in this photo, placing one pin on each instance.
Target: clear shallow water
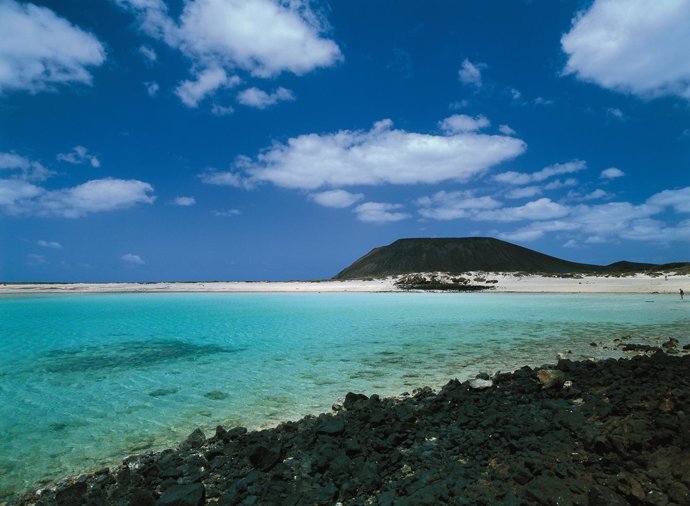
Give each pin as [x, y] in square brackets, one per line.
[88, 379]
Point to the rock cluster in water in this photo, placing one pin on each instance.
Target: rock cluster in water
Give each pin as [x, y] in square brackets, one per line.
[598, 433]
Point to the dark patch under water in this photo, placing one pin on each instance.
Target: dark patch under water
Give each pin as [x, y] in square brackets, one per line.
[127, 355]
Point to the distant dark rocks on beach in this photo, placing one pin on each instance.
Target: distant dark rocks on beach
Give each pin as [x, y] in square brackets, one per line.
[613, 432]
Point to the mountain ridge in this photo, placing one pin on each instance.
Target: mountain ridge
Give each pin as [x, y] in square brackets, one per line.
[463, 254]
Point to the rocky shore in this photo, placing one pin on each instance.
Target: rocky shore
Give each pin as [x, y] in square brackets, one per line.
[599, 433]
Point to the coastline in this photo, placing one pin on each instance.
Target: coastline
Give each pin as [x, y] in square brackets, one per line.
[504, 283]
[607, 432]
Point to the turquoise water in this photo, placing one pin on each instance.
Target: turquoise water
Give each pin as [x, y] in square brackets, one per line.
[88, 379]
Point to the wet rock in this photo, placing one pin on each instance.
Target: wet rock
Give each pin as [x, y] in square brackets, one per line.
[264, 458]
[355, 401]
[640, 347]
[671, 345]
[195, 440]
[72, 494]
[551, 378]
[192, 494]
[619, 436]
[331, 425]
[141, 497]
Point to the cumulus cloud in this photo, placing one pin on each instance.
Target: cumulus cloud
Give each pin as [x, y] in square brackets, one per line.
[205, 83]
[336, 198]
[381, 155]
[148, 53]
[469, 73]
[23, 168]
[600, 223]
[380, 212]
[679, 200]
[152, 88]
[524, 193]
[506, 130]
[459, 123]
[261, 37]
[184, 201]
[33, 260]
[616, 113]
[611, 173]
[49, 244]
[79, 155]
[221, 110]
[254, 97]
[221, 178]
[521, 178]
[22, 198]
[227, 212]
[541, 209]
[632, 46]
[132, 259]
[39, 49]
[453, 205]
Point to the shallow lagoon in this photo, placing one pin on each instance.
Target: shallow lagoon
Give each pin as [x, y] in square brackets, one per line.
[88, 379]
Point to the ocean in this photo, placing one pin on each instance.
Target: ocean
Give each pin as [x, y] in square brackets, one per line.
[87, 379]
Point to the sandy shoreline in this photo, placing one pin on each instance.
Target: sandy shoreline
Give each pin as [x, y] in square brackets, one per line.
[504, 283]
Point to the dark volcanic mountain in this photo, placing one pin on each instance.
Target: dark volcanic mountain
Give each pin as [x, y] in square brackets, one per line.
[456, 255]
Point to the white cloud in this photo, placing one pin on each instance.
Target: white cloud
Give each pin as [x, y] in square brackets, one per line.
[132, 259]
[520, 178]
[460, 123]
[543, 101]
[453, 205]
[79, 155]
[595, 195]
[524, 193]
[379, 212]
[152, 88]
[506, 130]
[221, 110]
[541, 209]
[49, 244]
[184, 201]
[33, 260]
[227, 212]
[13, 192]
[98, 195]
[254, 97]
[381, 155]
[679, 200]
[560, 183]
[220, 178]
[633, 46]
[458, 105]
[615, 113]
[611, 173]
[336, 198]
[515, 94]
[38, 49]
[205, 83]
[29, 170]
[522, 235]
[148, 53]
[469, 73]
[262, 37]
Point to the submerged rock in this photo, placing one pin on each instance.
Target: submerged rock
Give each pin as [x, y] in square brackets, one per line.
[618, 436]
[551, 378]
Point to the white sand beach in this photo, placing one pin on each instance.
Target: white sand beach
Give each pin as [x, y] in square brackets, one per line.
[504, 282]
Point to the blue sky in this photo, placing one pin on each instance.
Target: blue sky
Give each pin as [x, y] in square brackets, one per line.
[231, 140]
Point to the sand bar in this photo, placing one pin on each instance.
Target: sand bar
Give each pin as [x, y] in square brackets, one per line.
[504, 282]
